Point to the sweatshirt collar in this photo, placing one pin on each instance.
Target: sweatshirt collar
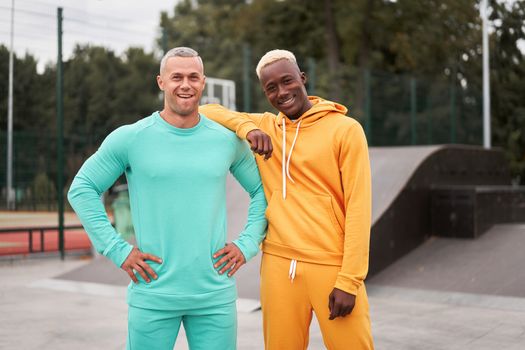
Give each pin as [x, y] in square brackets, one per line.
[179, 131]
[320, 108]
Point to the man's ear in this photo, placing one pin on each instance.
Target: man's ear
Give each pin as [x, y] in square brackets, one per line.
[160, 83]
[303, 78]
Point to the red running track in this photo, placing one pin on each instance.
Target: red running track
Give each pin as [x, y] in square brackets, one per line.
[18, 243]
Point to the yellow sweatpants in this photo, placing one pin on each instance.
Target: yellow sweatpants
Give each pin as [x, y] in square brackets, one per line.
[287, 307]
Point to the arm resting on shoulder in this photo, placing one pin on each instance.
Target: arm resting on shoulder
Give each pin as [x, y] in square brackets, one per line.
[239, 122]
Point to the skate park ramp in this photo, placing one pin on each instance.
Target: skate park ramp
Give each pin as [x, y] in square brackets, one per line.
[403, 179]
[491, 264]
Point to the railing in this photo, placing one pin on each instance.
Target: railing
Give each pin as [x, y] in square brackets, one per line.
[42, 230]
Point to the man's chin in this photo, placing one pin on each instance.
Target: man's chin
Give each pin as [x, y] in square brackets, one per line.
[186, 112]
[187, 109]
[289, 112]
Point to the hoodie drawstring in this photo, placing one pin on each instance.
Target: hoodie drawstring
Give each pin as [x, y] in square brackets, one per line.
[293, 267]
[286, 162]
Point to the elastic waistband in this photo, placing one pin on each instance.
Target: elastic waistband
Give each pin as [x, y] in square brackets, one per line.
[311, 256]
[156, 301]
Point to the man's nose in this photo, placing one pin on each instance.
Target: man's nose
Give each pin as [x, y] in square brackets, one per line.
[185, 84]
[281, 91]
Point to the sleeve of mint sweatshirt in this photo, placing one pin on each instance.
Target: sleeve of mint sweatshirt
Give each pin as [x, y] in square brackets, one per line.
[245, 170]
[95, 176]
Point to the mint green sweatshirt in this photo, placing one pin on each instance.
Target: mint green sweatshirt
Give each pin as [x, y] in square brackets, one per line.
[177, 186]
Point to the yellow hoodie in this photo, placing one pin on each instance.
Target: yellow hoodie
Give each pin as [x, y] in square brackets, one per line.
[318, 187]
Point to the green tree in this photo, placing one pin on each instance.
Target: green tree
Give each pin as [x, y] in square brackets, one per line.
[507, 83]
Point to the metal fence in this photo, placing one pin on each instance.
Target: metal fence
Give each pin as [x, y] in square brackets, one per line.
[394, 110]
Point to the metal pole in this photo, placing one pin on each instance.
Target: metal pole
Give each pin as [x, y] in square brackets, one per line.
[10, 192]
[368, 105]
[60, 137]
[453, 109]
[486, 77]
[413, 111]
[311, 76]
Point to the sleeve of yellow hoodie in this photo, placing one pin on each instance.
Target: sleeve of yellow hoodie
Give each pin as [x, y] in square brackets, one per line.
[238, 122]
[354, 165]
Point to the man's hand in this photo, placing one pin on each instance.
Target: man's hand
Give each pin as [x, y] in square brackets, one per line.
[136, 262]
[260, 143]
[340, 303]
[231, 256]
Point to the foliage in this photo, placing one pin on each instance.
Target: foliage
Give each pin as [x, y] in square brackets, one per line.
[437, 42]
[508, 84]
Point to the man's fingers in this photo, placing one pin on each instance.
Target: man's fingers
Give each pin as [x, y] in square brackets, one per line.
[347, 311]
[151, 257]
[270, 148]
[131, 275]
[141, 272]
[331, 301]
[266, 148]
[222, 260]
[255, 144]
[148, 269]
[236, 267]
[336, 311]
[226, 251]
[219, 252]
[226, 267]
[260, 146]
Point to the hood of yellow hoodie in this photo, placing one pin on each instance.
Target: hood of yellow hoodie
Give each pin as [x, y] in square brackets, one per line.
[320, 108]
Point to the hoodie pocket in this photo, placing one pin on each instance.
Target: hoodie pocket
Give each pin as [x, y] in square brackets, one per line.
[303, 221]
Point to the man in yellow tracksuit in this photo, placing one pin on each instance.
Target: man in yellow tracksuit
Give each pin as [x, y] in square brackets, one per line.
[318, 186]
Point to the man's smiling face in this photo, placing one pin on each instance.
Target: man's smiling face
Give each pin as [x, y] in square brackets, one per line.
[182, 81]
[283, 85]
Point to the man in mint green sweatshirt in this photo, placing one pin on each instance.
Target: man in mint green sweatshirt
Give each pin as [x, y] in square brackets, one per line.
[176, 162]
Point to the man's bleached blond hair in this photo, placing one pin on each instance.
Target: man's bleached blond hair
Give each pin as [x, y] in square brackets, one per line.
[272, 56]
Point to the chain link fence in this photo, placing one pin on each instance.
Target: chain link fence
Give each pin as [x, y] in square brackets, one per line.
[394, 110]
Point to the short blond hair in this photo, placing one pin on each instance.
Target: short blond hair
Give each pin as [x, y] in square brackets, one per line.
[180, 51]
[272, 56]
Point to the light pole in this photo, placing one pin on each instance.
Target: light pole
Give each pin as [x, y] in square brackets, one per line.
[10, 193]
[486, 76]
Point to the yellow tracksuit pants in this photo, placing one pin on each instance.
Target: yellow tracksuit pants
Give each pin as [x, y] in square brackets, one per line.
[287, 307]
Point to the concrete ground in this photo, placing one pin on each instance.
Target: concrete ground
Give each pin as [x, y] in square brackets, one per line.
[417, 303]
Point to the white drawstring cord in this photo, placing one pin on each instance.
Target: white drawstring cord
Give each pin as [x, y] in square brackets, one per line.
[286, 162]
[291, 150]
[293, 267]
[284, 159]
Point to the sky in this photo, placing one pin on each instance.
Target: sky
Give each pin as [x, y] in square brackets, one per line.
[116, 24]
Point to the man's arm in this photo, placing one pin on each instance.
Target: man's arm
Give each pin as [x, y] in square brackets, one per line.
[354, 165]
[246, 246]
[95, 176]
[245, 125]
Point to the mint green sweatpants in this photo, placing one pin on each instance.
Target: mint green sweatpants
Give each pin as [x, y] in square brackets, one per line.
[207, 328]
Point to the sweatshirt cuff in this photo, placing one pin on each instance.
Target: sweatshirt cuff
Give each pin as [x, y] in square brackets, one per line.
[347, 284]
[243, 129]
[118, 252]
[248, 248]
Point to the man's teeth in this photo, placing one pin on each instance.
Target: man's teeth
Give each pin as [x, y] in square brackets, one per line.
[287, 101]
